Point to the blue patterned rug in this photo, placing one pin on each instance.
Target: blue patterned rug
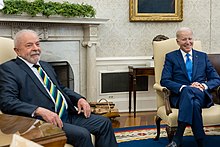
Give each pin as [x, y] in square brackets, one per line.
[143, 136]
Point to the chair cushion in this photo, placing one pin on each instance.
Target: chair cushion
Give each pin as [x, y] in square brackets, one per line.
[210, 116]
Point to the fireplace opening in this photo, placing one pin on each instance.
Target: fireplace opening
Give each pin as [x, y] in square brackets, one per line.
[64, 73]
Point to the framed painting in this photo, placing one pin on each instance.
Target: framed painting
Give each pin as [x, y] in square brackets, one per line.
[156, 10]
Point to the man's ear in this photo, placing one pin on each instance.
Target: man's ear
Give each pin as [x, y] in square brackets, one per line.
[177, 41]
[16, 50]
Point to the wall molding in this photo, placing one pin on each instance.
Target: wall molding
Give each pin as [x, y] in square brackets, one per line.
[146, 100]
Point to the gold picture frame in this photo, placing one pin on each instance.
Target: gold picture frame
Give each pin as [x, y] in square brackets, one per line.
[155, 10]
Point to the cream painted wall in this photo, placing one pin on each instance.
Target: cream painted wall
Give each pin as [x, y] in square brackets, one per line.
[215, 26]
[119, 37]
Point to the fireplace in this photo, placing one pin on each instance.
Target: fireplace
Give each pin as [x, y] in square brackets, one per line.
[64, 73]
[59, 30]
[64, 51]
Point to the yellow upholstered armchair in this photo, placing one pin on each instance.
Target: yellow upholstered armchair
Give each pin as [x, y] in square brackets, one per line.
[211, 116]
[6, 49]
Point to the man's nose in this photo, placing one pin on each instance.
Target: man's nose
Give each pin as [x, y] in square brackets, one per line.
[35, 47]
[187, 41]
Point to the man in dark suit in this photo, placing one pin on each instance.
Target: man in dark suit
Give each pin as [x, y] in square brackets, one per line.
[23, 92]
[190, 77]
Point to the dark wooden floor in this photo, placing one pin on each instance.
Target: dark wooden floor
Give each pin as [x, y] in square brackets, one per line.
[127, 119]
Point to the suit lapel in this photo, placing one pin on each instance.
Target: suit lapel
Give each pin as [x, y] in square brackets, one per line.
[32, 76]
[195, 63]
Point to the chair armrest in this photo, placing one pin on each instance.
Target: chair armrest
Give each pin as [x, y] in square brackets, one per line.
[158, 87]
[218, 92]
[216, 95]
[166, 94]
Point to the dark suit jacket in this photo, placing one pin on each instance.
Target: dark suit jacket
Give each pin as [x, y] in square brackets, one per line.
[174, 74]
[21, 92]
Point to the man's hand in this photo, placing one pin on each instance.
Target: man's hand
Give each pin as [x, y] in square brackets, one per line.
[49, 116]
[84, 106]
[198, 85]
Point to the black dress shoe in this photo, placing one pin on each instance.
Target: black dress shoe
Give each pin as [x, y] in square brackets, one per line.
[172, 144]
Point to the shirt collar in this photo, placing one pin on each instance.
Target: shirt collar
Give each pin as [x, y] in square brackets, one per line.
[184, 53]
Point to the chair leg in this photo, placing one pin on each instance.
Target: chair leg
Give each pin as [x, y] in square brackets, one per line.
[157, 120]
[170, 132]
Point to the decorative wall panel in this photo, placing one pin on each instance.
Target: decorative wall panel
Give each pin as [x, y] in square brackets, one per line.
[119, 37]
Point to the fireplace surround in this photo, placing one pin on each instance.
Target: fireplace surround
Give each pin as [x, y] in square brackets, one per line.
[56, 28]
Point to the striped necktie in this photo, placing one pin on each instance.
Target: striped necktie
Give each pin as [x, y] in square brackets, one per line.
[189, 66]
[60, 105]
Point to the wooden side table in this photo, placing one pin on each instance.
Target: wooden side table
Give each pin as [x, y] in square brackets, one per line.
[135, 71]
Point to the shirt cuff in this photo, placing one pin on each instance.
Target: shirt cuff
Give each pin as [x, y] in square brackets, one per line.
[33, 114]
[206, 87]
[182, 87]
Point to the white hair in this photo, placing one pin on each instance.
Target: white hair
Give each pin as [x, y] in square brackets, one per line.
[182, 30]
[18, 35]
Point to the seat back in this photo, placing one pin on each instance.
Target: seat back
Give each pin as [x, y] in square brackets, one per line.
[6, 49]
[6, 53]
[215, 60]
[160, 49]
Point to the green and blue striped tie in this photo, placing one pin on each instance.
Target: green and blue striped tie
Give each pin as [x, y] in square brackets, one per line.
[60, 105]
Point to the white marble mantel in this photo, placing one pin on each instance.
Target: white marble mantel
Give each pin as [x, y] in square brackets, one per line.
[84, 30]
[51, 19]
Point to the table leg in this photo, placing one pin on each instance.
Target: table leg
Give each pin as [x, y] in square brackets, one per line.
[134, 92]
[130, 91]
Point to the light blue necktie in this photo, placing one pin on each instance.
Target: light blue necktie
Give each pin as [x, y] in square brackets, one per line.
[60, 105]
[189, 66]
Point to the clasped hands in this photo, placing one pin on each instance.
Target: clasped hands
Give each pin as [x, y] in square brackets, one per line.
[198, 85]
